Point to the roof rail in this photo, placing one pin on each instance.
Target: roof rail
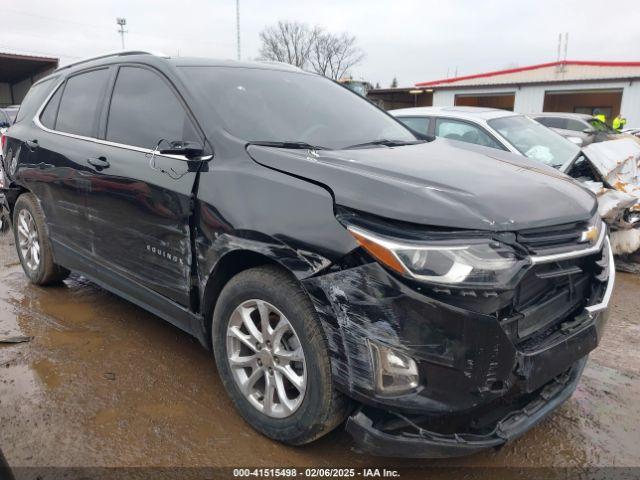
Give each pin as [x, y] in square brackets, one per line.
[113, 54]
[282, 64]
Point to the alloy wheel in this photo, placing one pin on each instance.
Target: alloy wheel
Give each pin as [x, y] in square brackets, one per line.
[28, 241]
[266, 358]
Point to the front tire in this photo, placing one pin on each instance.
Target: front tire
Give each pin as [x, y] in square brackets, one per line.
[273, 358]
[32, 242]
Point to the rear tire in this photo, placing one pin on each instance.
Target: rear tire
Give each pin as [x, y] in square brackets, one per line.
[320, 408]
[32, 242]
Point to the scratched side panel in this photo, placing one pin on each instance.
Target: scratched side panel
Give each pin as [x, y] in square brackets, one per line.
[54, 172]
[140, 221]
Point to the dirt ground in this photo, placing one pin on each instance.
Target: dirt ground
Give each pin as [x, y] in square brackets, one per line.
[104, 383]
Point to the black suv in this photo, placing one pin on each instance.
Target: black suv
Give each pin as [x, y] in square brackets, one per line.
[443, 300]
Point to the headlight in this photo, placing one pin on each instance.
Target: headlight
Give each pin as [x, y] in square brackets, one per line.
[479, 262]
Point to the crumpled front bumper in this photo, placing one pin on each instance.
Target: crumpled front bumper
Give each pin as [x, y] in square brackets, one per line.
[417, 442]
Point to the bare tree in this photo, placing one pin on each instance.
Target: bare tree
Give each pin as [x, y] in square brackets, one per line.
[289, 42]
[298, 44]
[334, 55]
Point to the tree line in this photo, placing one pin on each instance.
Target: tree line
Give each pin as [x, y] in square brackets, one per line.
[311, 48]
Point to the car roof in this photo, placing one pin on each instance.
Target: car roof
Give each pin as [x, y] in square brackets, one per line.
[158, 59]
[469, 113]
[577, 116]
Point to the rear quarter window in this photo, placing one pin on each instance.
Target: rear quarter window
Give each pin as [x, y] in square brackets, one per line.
[48, 117]
[34, 98]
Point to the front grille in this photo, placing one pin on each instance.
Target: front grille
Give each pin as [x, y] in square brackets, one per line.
[556, 239]
[552, 293]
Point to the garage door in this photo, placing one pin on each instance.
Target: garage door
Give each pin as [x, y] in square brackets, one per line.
[584, 101]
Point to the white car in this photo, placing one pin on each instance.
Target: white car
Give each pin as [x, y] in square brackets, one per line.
[490, 127]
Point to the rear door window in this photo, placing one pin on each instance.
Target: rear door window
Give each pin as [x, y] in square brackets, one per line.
[464, 132]
[417, 124]
[145, 110]
[81, 102]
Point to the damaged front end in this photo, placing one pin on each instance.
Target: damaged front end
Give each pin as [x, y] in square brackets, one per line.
[478, 363]
[392, 434]
[610, 170]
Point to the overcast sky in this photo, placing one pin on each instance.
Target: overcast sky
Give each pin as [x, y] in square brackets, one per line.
[409, 39]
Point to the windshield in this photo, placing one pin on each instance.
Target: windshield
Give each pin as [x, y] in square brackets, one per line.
[534, 140]
[260, 105]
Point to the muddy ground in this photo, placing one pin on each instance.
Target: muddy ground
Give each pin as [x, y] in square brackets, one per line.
[104, 383]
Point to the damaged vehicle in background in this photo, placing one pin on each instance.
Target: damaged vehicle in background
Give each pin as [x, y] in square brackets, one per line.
[587, 129]
[607, 168]
[339, 266]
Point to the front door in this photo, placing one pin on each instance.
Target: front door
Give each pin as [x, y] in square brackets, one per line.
[139, 205]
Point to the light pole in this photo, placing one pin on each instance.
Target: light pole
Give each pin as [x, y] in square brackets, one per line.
[122, 22]
[238, 25]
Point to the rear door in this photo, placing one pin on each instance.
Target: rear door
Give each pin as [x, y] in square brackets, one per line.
[139, 203]
[59, 145]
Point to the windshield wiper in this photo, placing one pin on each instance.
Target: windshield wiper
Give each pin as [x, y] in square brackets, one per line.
[288, 144]
[386, 143]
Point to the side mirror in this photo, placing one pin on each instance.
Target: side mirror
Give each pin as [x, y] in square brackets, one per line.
[589, 131]
[575, 140]
[188, 149]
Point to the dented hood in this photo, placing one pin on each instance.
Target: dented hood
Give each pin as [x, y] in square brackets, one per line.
[440, 184]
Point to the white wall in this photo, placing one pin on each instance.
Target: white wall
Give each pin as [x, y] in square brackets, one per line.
[631, 104]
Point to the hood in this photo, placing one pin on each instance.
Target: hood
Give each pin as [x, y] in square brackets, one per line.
[439, 184]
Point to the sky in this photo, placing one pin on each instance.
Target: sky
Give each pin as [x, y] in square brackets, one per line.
[408, 39]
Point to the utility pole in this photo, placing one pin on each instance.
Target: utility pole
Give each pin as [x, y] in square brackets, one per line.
[122, 22]
[238, 25]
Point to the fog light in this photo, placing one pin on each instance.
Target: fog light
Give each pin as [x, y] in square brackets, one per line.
[394, 371]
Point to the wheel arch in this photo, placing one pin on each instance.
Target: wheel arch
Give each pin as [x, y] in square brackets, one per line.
[12, 194]
[228, 266]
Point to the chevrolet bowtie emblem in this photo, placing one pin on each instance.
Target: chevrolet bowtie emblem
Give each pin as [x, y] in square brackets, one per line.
[589, 235]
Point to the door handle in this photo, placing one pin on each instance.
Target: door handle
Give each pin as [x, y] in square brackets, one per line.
[31, 144]
[100, 163]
